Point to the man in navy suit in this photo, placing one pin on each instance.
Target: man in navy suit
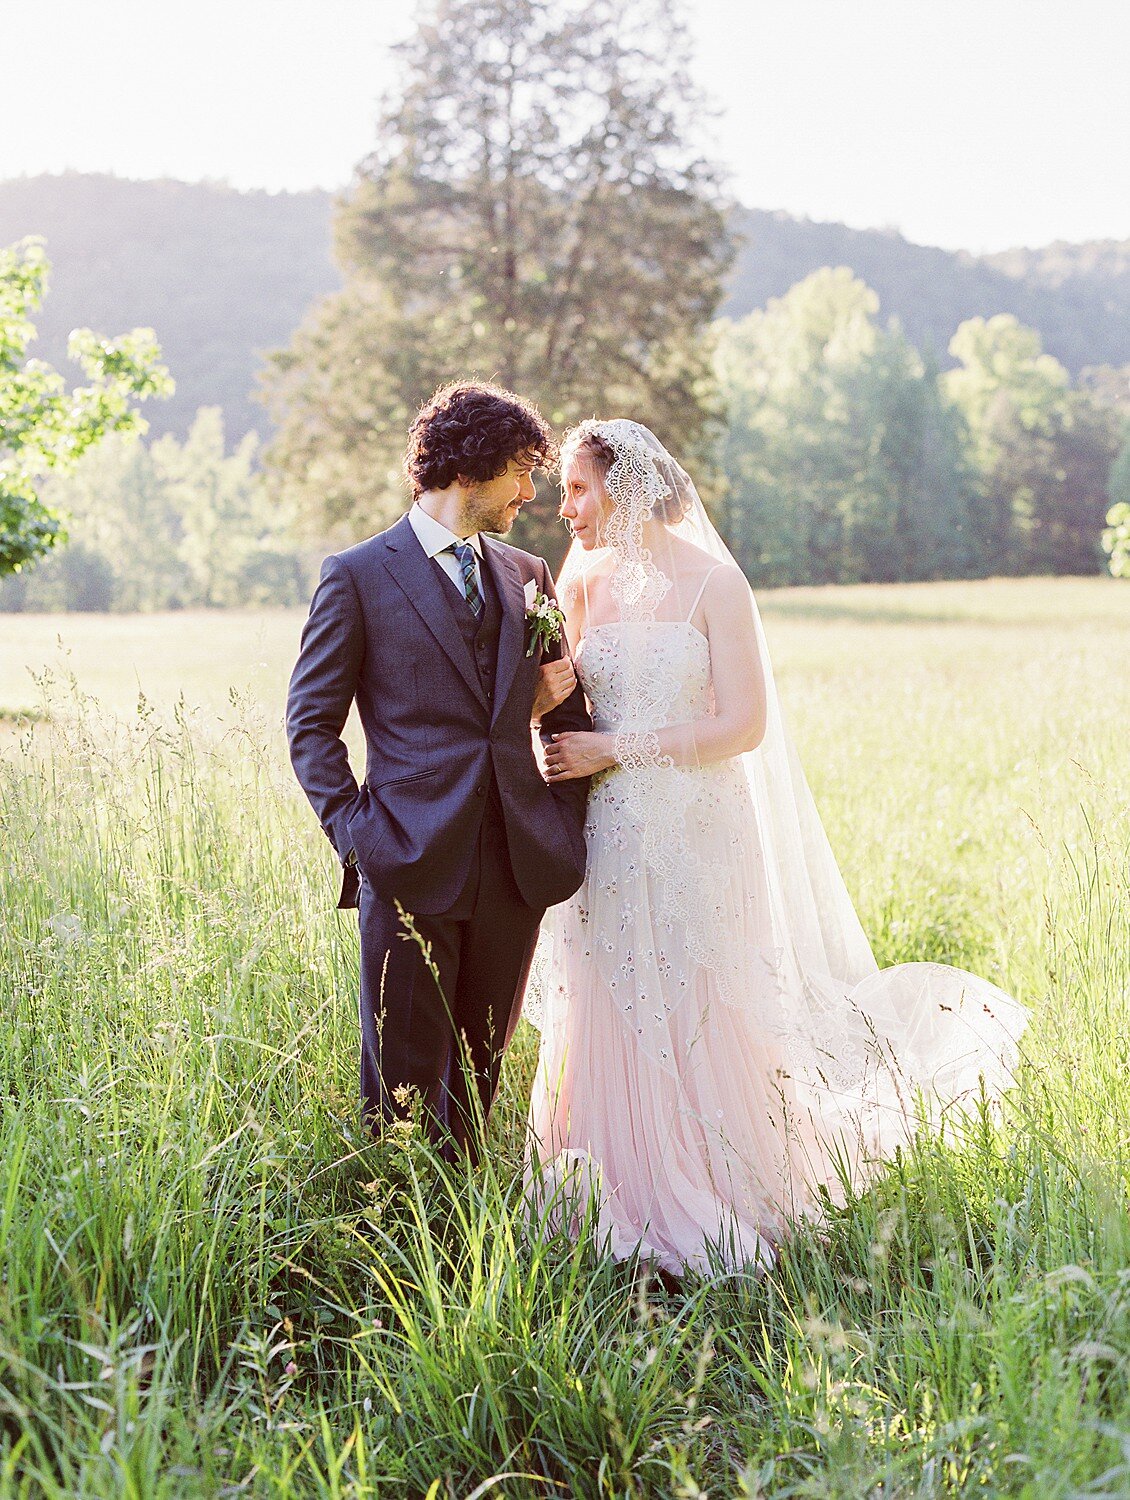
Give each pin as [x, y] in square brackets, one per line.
[424, 627]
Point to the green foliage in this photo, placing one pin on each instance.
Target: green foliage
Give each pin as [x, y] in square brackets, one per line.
[850, 457]
[1002, 362]
[43, 426]
[1116, 538]
[214, 1283]
[842, 461]
[235, 547]
[533, 214]
[166, 526]
[1042, 450]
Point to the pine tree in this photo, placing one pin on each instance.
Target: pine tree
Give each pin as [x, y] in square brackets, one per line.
[532, 213]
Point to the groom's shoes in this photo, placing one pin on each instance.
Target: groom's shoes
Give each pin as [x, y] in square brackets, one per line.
[648, 1274]
[672, 1285]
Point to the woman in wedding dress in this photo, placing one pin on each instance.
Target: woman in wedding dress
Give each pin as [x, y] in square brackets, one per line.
[720, 1051]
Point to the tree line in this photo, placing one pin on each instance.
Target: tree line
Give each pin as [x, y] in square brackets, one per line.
[537, 210]
[847, 456]
[167, 525]
[226, 274]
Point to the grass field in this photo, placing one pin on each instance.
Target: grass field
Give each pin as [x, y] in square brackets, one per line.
[214, 1285]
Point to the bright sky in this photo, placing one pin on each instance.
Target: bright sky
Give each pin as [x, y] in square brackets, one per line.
[975, 123]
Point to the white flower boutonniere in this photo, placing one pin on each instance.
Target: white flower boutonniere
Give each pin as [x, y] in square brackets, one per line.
[544, 622]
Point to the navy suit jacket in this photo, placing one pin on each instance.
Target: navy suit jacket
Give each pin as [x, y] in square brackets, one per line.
[382, 631]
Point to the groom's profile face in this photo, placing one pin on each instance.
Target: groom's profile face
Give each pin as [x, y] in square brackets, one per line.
[494, 504]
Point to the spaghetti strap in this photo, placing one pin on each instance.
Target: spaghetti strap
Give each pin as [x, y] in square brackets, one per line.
[702, 590]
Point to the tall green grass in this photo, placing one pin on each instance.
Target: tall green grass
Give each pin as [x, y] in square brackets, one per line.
[214, 1283]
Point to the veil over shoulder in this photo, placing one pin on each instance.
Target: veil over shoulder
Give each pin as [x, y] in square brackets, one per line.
[713, 961]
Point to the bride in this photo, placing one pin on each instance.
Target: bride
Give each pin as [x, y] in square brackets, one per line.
[719, 1049]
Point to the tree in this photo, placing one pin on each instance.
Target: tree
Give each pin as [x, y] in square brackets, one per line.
[1071, 504]
[42, 426]
[1116, 537]
[234, 546]
[166, 525]
[918, 488]
[842, 461]
[532, 213]
[1013, 397]
[1043, 449]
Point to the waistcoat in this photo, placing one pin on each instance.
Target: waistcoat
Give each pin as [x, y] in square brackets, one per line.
[482, 634]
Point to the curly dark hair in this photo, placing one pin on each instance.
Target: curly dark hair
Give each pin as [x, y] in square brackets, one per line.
[471, 430]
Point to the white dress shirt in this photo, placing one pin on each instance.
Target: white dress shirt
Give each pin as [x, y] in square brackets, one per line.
[434, 537]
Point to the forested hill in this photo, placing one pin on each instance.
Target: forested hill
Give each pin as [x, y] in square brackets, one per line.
[1077, 296]
[221, 275]
[224, 276]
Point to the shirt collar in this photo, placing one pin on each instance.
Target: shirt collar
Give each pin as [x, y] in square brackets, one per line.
[433, 535]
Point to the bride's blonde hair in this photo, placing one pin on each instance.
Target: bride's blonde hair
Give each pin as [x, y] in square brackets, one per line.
[586, 438]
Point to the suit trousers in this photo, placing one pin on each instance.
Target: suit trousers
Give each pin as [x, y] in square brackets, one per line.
[432, 1037]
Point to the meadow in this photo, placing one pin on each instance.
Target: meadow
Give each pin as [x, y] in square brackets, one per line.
[215, 1284]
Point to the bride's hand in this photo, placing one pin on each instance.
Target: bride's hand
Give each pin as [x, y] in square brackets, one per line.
[576, 753]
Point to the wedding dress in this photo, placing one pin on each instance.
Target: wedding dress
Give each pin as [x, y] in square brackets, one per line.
[720, 1052]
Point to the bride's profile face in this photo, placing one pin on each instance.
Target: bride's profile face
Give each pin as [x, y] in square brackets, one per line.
[584, 504]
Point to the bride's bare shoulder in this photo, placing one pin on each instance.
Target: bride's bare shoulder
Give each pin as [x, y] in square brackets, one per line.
[591, 570]
[725, 601]
[693, 564]
[578, 591]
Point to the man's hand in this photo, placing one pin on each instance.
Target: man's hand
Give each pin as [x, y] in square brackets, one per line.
[578, 753]
[556, 680]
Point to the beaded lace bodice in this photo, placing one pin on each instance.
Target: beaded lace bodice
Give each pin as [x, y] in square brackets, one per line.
[680, 655]
[657, 831]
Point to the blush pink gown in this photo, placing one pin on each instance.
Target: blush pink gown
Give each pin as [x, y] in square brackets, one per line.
[701, 1082]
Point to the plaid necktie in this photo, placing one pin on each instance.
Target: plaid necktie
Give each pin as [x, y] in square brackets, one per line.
[465, 556]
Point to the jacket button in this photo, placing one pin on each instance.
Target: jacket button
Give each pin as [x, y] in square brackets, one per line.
[480, 791]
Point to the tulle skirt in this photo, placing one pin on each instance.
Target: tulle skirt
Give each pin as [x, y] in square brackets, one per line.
[702, 1081]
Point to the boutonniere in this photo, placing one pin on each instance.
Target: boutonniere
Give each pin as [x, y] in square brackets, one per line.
[544, 620]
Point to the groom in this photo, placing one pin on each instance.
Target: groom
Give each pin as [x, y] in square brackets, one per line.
[424, 627]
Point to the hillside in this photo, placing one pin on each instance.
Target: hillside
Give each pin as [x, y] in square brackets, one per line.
[221, 275]
[224, 276]
[1078, 296]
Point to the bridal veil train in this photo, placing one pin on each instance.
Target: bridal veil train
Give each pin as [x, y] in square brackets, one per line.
[719, 1048]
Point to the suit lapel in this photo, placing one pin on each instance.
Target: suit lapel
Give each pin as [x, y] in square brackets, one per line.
[415, 574]
[511, 595]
